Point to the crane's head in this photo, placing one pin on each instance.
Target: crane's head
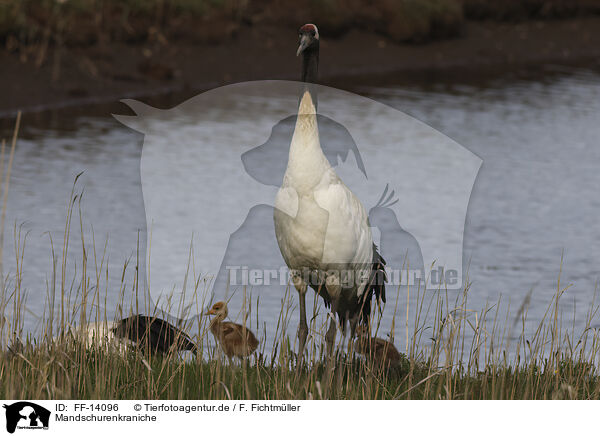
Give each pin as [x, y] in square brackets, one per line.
[308, 38]
[219, 309]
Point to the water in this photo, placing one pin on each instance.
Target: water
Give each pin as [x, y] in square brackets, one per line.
[535, 200]
[532, 213]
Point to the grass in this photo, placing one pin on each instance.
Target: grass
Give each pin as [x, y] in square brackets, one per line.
[550, 364]
[452, 352]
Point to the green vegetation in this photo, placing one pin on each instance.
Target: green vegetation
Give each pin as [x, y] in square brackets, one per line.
[72, 372]
[85, 22]
[517, 10]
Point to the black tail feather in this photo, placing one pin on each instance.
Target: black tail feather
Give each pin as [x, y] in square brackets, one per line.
[375, 287]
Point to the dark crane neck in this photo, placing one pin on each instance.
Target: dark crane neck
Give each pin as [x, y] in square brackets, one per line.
[310, 63]
[310, 69]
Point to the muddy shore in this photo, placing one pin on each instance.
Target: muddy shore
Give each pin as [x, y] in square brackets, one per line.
[109, 72]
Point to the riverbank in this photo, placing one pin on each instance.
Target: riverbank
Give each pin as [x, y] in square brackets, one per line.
[105, 72]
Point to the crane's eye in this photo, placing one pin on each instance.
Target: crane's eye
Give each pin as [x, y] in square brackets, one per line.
[313, 33]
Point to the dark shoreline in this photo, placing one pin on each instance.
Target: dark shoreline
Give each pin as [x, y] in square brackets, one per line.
[107, 73]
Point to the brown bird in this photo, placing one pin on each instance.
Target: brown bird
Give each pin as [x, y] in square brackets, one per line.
[377, 350]
[235, 339]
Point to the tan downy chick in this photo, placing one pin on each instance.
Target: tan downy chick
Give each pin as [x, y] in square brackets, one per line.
[378, 350]
[234, 339]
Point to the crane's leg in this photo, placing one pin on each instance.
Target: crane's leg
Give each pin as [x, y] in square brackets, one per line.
[303, 326]
[353, 324]
[334, 289]
[301, 287]
[330, 336]
[329, 373]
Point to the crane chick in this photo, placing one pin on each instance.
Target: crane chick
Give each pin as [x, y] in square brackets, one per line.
[377, 350]
[234, 339]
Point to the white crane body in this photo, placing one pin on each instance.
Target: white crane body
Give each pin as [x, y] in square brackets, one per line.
[320, 224]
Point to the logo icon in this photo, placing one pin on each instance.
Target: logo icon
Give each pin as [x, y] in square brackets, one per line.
[26, 415]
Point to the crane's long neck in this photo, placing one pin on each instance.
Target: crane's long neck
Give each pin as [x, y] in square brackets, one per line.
[310, 63]
[310, 69]
[307, 163]
[216, 321]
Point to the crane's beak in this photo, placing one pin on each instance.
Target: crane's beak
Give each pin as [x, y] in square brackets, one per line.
[210, 312]
[304, 42]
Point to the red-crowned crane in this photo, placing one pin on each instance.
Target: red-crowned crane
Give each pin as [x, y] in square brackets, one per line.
[321, 227]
